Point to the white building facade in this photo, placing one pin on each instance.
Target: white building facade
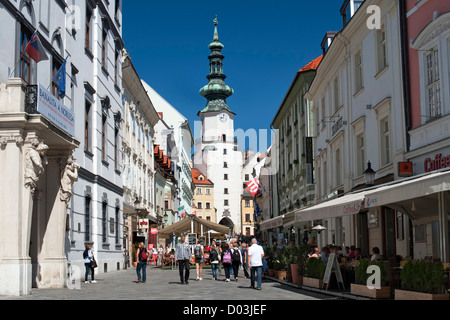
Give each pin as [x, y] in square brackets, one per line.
[359, 118]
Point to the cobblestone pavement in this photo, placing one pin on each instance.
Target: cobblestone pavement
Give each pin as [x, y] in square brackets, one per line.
[165, 285]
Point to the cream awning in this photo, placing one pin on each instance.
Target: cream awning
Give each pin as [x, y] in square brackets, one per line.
[184, 226]
[349, 204]
[272, 223]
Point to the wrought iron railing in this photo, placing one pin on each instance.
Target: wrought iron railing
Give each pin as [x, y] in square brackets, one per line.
[31, 98]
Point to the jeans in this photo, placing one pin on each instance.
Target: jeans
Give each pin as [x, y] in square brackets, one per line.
[214, 269]
[142, 265]
[258, 272]
[88, 268]
[184, 267]
[246, 270]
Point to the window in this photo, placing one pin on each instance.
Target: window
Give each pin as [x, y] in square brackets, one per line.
[88, 35]
[225, 203]
[116, 67]
[336, 101]
[225, 177]
[247, 177]
[225, 165]
[433, 90]
[87, 218]
[247, 218]
[199, 205]
[360, 154]
[381, 50]
[87, 126]
[117, 224]
[25, 72]
[104, 154]
[207, 205]
[224, 138]
[116, 9]
[166, 205]
[247, 203]
[385, 142]
[224, 151]
[104, 47]
[225, 191]
[116, 149]
[338, 168]
[208, 191]
[323, 112]
[104, 221]
[358, 72]
[199, 190]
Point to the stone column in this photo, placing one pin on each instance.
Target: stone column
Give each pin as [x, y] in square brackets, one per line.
[22, 164]
[52, 258]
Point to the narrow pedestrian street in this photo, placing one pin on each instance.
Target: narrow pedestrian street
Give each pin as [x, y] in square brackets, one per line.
[165, 285]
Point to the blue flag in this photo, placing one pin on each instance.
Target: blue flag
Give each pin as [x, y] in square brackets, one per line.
[60, 80]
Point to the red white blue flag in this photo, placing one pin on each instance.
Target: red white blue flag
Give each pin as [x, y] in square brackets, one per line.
[35, 49]
[254, 187]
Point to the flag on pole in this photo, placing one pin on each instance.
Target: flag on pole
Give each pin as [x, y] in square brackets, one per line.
[254, 187]
[60, 80]
[35, 49]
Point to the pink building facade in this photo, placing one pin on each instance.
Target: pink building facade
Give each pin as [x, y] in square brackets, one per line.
[427, 79]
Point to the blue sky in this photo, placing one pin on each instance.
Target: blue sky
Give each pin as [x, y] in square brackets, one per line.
[266, 42]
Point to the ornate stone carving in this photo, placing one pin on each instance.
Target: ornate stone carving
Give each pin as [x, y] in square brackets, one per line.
[35, 160]
[69, 177]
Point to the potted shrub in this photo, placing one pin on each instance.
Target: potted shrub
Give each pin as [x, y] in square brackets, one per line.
[292, 256]
[280, 266]
[302, 259]
[270, 258]
[360, 287]
[422, 280]
[314, 272]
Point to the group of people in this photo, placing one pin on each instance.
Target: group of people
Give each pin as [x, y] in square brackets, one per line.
[231, 256]
[349, 253]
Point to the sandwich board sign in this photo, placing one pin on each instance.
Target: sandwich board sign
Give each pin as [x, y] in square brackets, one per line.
[333, 266]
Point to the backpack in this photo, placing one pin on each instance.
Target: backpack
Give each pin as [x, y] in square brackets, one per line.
[226, 257]
[198, 252]
[236, 257]
[144, 255]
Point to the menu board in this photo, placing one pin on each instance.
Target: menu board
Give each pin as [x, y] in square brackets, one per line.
[333, 266]
[192, 239]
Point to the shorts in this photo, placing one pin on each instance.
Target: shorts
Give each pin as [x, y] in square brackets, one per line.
[198, 260]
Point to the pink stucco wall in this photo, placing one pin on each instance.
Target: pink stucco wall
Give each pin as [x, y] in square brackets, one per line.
[416, 23]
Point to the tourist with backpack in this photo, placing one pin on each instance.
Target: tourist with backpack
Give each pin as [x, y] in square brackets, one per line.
[236, 260]
[142, 257]
[226, 261]
[88, 257]
[214, 258]
[198, 254]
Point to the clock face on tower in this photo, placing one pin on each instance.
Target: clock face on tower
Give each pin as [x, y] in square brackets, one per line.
[223, 117]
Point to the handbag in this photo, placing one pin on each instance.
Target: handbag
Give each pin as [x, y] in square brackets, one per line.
[93, 263]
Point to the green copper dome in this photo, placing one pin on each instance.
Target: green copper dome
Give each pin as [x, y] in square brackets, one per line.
[216, 91]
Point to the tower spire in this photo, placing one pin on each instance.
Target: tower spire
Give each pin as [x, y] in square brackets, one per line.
[216, 91]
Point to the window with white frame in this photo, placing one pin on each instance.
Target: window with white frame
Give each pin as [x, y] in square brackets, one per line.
[385, 138]
[338, 162]
[433, 84]
[336, 101]
[323, 112]
[381, 49]
[358, 72]
[360, 154]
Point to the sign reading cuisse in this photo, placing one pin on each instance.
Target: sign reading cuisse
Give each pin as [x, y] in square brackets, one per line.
[55, 111]
[439, 162]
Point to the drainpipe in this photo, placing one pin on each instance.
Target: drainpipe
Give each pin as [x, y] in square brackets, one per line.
[405, 74]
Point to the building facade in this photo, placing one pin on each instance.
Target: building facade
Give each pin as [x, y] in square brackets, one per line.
[91, 211]
[203, 203]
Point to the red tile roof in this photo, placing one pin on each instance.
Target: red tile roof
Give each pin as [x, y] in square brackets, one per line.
[195, 177]
[312, 65]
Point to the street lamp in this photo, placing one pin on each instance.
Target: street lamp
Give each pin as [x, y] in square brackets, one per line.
[319, 228]
[369, 175]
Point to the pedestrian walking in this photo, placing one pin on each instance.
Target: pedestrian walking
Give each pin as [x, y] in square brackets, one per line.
[199, 253]
[214, 258]
[226, 261]
[182, 257]
[142, 258]
[255, 256]
[236, 260]
[88, 257]
[244, 253]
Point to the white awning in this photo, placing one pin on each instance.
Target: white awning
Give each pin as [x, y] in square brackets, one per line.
[409, 189]
[272, 223]
[349, 204]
